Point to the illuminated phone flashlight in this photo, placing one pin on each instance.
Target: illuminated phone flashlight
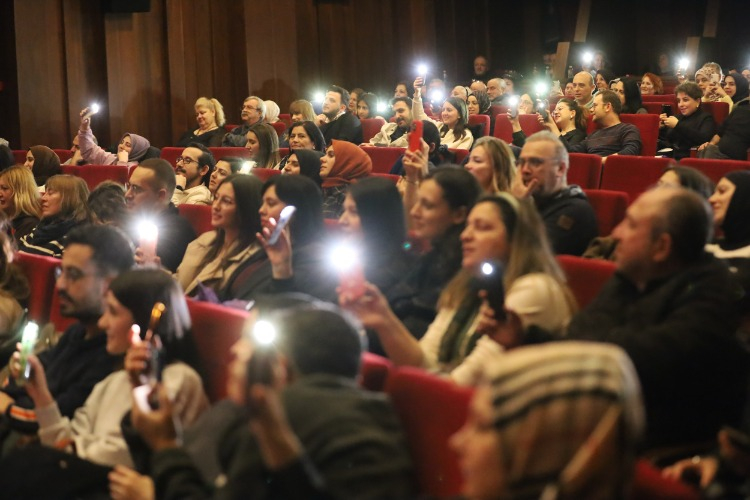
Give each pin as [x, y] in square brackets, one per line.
[587, 58]
[346, 259]
[319, 97]
[94, 108]
[247, 167]
[148, 236]
[344, 256]
[683, 64]
[513, 101]
[381, 107]
[422, 70]
[264, 333]
[487, 269]
[436, 95]
[28, 340]
[540, 88]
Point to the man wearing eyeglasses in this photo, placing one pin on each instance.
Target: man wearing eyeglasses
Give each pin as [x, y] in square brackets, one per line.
[148, 198]
[93, 257]
[253, 111]
[193, 173]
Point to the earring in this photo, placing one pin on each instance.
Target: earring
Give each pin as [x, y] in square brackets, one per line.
[571, 117]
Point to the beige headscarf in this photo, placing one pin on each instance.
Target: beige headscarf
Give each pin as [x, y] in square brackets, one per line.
[569, 416]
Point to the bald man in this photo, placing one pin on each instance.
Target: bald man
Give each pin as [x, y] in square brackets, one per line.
[583, 89]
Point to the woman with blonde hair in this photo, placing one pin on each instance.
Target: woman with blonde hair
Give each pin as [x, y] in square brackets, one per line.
[504, 238]
[19, 200]
[493, 164]
[301, 110]
[209, 113]
[64, 206]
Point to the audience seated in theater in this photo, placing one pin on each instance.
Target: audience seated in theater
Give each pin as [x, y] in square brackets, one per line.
[272, 112]
[736, 87]
[305, 431]
[93, 256]
[499, 229]
[626, 89]
[673, 307]
[343, 164]
[212, 258]
[148, 197]
[602, 79]
[107, 205]
[478, 86]
[583, 88]
[336, 121]
[557, 421]
[478, 103]
[493, 164]
[225, 167]
[454, 130]
[461, 92]
[43, 163]
[612, 136]
[354, 96]
[437, 215]
[193, 174]
[401, 90]
[435, 153]
[304, 135]
[568, 121]
[94, 432]
[691, 127]
[75, 148]
[14, 290]
[209, 113]
[651, 84]
[496, 90]
[20, 201]
[709, 79]
[297, 262]
[732, 138]
[253, 112]
[132, 149]
[7, 159]
[304, 162]
[395, 134]
[63, 208]
[542, 169]
[367, 105]
[526, 105]
[731, 209]
[263, 145]
[301, 111]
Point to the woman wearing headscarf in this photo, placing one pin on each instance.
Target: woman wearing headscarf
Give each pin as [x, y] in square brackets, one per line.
[43, 163]
[342, 164]
[736, 87]
[304, 162]
[131, 150]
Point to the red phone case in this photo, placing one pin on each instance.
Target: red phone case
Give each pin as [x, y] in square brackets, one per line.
[415, 138]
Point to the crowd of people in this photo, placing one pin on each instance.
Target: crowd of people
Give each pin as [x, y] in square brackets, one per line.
[452, 269]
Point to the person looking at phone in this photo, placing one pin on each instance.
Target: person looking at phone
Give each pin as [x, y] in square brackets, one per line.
[499, 229]
[336, 122]
[454, 130]
[93, 257]
[689, 128]
[612, 136]
[394, 134]
[671, 305]
[148, 196]
[193, 174]
[253, 111]
[132, 149]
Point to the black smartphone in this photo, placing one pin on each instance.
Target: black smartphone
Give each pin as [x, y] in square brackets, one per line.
[542, 108]
[490, 279]
[666, 109]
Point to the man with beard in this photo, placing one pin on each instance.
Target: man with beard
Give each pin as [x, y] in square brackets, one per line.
[194, 169]
[93, 257]
[395, 134]
[150, 190]
[336, 122]
[253, 111]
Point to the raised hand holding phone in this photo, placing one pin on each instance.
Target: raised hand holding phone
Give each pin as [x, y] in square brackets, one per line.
[147, 354]
[148, 237]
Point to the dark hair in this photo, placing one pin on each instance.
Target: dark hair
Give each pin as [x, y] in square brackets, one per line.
[342, 92]
[633, 100]
[46, 164]
[690, 89]
[743, 90]
[357, 90]
[372, 103]
[112, 250]
[483, 99]
[268, 145]
[307, 224]
[312, 131]
[381, 214]
[205, 159]
[319, 339]
[693, 179]
[107, 204]
[460, 188]
[612, 98]
[309, 164]
[687, 219]
[247, 199]
[406, 100]
[460, 130]
[7, 159]
[235, 162]
[581, 122]
[163, 172]
[138, 290]
[606, 74]
[405, 84]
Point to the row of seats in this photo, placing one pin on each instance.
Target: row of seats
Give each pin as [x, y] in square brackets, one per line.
[19, 155]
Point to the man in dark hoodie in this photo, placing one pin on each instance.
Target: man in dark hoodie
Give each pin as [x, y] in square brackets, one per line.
[543, 168]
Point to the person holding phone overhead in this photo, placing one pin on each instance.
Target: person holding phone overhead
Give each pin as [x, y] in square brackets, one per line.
[132, 149]
[454, 129]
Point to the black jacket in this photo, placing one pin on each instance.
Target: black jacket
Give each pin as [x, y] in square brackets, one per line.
[570, 220]
[347, 127]
[690, 132]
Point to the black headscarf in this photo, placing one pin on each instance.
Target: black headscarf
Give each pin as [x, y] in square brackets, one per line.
[736, 228]
[309, 163]
[743, 87]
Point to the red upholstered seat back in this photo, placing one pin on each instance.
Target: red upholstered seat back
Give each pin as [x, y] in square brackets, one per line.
[632, 174]
[171, 154]
[585, 170]
[383, 158]
[279, 127]
[374, 371]
[40, 271]
[370, 127]
[530, 124]
[610, 207]
[715, 169]
[649, 484]
[649, 127]
[585, 276]
[503, 128]
[94, 175]
[482, 120]
[720, 110]
[431, 410]
[199, 217]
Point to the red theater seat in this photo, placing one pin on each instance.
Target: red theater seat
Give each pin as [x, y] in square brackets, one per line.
[171, 154]
[40, 271]
[383, 158]
[94, 175]
[265, 173]
[279, 127]
[665, 98]
[720, 110]
[503, 128]
[374, 371]
[649, 127]
[19, 156]
[215, 329]
[461, 155]
[393, 178]
[632, 174]
[222, 152]
[286, 118]
[530, 124]
[649, 484]
[431, 409]
[585, 170]
[715, 169]
[199, 217]
[610, 207]
[586, 277]
[63, 154]
[370, 127]
[482, 120]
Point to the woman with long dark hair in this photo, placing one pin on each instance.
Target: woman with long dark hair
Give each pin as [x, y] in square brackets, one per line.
[454, 127]
[630, 96]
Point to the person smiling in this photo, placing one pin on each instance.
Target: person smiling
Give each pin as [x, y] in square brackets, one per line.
[303, 135]
[692, 127]
[395, 134]
[454, 130]
[731, 207]
[192, 176]
[132, 149]
[209, 114]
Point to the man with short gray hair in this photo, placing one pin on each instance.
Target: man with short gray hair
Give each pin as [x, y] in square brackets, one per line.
[253, 111]
[542, 174]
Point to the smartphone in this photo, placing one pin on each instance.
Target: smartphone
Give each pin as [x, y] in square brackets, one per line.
[666, 109]
[542, 108]
[28, 340]
[513, 106]
[415, 137]
[715, 78]
[148, 237]
[260, 366]
[155, 365]
[490, 279]
[284, 218]
[352, 280]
